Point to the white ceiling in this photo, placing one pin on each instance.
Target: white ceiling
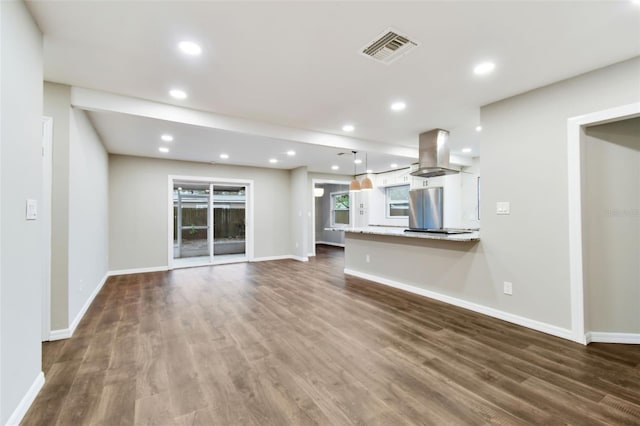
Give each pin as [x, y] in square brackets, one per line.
[296, 64]
[140, 136]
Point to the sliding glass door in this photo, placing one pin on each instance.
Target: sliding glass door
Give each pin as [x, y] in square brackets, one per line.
[191, 228]
[209, 223]
[229, 215]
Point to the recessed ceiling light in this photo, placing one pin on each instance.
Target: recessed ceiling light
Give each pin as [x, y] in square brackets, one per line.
[334, 167]
[466, 150]
[273, 160]
[484, 68]
[190, 48]
[369, 171]
[224, 156]
[179, 188]
[348, 128]
[167, 138]
[398, 106]
[393, 165]
[178, 94]
[357, 161]
[163, 149]
[478, 128]
[291, 153]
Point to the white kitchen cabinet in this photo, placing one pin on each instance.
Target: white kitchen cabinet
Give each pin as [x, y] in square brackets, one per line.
[359, 208]
[396, 177]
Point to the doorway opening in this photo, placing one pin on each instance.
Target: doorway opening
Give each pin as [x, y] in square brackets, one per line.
[331, 200]
[603, 206]
[209, 223]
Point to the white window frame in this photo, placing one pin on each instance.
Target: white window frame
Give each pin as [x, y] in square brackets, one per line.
[333, 210]
[388, 202]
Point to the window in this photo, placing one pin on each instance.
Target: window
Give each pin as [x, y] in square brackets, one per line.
[397, 199]
[339, 208]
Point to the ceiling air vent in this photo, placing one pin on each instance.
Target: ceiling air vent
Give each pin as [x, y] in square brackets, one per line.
[389, 46]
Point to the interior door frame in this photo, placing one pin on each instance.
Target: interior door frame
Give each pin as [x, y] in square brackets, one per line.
[45, 217]
[249, 210]
[315, 181]
[575, 130]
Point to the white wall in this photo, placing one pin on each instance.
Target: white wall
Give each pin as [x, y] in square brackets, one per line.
[469, 195]
[323, 214]
[21, 241]
[459, 196]
[88, 212]
[524, 161]
[300, 212]
[138, 209]
[318, 177]
[57, 105]
[79, 239]
[611, 222]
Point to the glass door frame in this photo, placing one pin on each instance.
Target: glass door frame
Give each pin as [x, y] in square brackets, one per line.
[211, 181]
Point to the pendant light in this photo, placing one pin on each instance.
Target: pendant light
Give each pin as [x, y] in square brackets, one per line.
[354, 185]
[366, 182]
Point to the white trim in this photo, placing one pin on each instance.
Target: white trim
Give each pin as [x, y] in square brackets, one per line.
[45, 214]
[137, 270]
[270, 258]
[249, 212]
[602, 337]
[216, 261]
[327, 243]
[280, 257]
[87, 304]
[66, 333]
[229, 261]
[574, 132]
[315, 181]
[26, 401]
[485, 310]
[60, 334]
[170, 248]
[94, 100]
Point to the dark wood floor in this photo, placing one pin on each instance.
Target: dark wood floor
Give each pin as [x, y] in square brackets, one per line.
[286, 342]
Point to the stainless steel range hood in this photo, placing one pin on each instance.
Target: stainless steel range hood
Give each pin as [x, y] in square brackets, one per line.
[434, 154]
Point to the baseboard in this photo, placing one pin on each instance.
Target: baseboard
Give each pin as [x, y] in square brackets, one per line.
[485, 310]
[66, 333]
[603, 337]
[137, 270]
[26, 401]
[269, 258]
[327, 243]
[281, 257]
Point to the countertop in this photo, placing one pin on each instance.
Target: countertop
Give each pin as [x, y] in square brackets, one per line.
[395, 231]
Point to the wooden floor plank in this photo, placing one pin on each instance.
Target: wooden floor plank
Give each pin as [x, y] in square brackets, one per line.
[300, 343]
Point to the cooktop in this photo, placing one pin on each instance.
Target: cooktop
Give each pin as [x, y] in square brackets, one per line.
[441, 230]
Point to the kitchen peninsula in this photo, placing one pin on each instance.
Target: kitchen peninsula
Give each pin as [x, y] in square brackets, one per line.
[397, 231]
[430, 264]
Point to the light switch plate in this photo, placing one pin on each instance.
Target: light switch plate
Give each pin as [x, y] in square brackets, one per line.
[32, 210]
[503, 207]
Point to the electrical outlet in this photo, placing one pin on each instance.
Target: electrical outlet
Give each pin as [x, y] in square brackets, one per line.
[508, 288]
[367, 258]
[503, 207]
